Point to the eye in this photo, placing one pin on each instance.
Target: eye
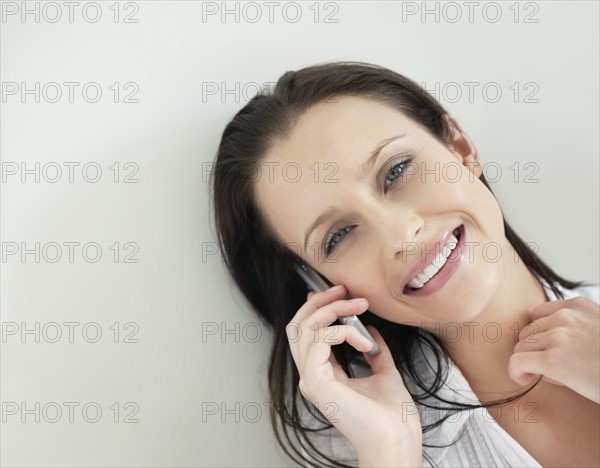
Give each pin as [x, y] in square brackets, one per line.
[395, 171]
[334, 239]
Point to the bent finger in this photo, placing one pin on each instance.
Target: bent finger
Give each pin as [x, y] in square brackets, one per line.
[319, 350]
[522, 367]
[382, 362]
[318, 300]
[329, 313]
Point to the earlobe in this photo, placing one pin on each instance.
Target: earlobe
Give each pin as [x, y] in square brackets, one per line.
[463, 148]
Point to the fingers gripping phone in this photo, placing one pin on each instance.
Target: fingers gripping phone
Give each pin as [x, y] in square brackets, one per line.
[316, 283]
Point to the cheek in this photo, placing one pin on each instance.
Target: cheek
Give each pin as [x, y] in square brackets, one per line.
[397, 313]
[381, 303]
[467, 193]
[486, 204]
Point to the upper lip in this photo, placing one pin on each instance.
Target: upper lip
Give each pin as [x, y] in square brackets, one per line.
[430, 254]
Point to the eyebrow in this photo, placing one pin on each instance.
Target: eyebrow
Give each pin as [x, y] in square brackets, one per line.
[364, 169]
[370, 162]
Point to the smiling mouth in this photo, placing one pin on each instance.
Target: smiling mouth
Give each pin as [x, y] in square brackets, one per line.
[439, 262]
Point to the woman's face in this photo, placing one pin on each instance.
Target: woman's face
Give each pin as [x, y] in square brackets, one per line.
[370, 223]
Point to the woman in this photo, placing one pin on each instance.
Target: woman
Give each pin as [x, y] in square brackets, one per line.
[356, 171]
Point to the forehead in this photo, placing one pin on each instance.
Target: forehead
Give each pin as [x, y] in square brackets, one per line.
[310, 170]
[340, 122]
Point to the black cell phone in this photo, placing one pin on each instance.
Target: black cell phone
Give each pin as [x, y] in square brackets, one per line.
[316, 283]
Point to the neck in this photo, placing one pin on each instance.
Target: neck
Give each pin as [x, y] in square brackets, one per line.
[483, 357]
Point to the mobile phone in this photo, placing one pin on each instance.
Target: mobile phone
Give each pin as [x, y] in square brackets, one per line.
[316, 283]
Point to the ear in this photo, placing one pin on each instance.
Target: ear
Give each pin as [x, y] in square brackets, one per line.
[463, 148]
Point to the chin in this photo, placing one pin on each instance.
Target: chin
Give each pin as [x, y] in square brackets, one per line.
[477, 295]
[468, 299]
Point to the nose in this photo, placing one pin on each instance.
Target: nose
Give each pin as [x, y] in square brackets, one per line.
[399, 231]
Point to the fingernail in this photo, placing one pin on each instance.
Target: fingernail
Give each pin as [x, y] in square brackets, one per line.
[335, 288]
[368, 341]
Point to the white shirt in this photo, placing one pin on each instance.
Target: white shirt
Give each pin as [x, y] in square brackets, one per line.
[484, 442]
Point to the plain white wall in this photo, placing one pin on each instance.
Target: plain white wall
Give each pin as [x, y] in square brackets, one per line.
[178, 64]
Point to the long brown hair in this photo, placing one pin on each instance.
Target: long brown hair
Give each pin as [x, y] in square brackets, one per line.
[261, 266]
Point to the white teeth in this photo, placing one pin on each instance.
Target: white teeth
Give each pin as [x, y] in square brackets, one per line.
[423, 278]
[438, 262]
[416, 284]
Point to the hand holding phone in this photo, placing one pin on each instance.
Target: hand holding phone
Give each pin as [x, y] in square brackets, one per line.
[315, 283]
[364, 407]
